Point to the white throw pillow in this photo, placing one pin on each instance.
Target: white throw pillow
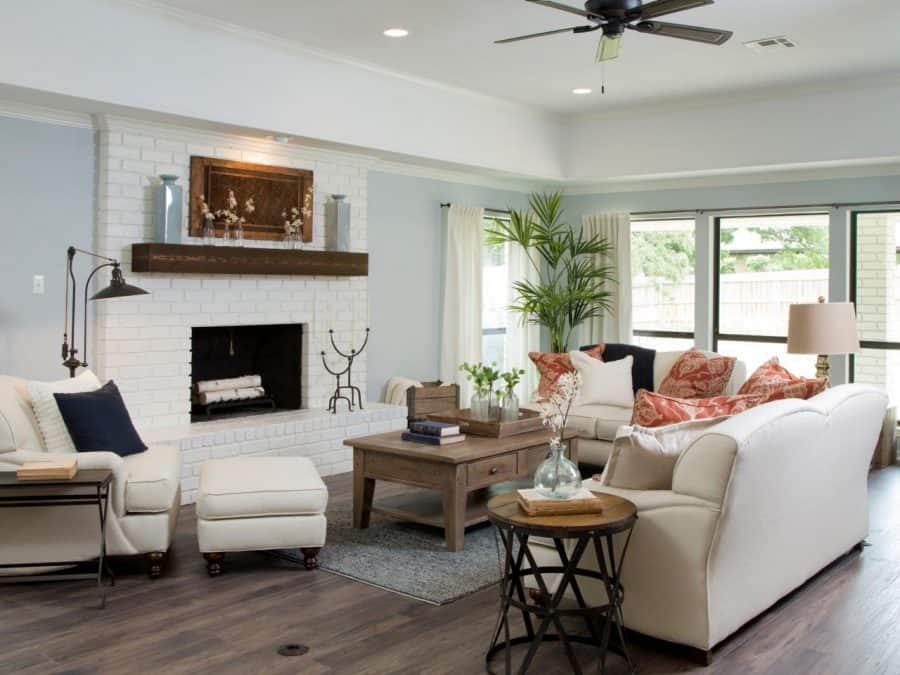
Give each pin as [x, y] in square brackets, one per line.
[644, 458]
[604, 383]
[46, 412]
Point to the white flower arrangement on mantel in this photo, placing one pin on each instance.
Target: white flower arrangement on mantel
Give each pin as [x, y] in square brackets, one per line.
[293, 221]
[229, 216]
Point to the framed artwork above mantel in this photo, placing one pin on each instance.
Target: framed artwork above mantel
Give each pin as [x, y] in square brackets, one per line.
[274, 190]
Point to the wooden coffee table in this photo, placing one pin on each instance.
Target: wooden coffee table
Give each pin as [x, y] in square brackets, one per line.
[461, 474]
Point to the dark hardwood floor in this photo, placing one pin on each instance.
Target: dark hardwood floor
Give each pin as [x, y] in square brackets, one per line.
[845, 620]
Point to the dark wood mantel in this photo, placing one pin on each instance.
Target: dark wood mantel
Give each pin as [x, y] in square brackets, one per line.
[185, 259]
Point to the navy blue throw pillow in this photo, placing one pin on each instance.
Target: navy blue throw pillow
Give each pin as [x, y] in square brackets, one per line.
[99, 420]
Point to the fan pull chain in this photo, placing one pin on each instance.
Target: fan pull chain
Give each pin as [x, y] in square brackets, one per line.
[602, 77]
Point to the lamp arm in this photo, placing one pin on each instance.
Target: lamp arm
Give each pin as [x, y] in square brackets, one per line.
[73, 250]
[87, 285]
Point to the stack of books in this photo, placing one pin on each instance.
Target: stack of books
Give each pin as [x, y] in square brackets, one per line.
[58, 469]
[434, 433]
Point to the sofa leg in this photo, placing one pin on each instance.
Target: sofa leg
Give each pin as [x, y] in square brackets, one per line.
[702, 657]
[214, 563]
[309, 557]
[155, 564]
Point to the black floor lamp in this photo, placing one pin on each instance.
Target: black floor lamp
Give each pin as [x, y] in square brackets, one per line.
[117, 289]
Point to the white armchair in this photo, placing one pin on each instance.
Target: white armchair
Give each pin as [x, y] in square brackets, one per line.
[144, 499]
[758, 504]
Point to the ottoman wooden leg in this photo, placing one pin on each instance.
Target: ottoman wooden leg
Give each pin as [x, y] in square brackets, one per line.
[214, 563]
[309, 557]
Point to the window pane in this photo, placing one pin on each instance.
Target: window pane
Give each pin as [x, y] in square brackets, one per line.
[878, 276]
[766, 264]
[495, 300]
[662, 269]
[754, 354]
[664, 344]
[879, 367]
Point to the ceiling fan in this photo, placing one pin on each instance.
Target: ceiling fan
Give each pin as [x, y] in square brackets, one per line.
[614, 16]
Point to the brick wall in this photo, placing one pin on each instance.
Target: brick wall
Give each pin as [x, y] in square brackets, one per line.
[143, 343]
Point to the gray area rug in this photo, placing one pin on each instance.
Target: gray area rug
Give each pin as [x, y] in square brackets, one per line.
[409, 559]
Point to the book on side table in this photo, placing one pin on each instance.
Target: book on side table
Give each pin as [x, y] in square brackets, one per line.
[56, 469]
[535, 504]
[427, 439]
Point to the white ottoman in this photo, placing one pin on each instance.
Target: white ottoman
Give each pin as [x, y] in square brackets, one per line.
[259, 504]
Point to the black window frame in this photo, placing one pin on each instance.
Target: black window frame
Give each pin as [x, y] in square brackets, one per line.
[673, 334]
[885, 345]
[717, 335]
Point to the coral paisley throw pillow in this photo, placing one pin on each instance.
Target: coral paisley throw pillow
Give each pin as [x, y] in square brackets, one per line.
[551, 365]
[696, 375]
[776, 382]
[656, 410]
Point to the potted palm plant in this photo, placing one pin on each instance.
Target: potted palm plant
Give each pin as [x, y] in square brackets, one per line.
[570, 287]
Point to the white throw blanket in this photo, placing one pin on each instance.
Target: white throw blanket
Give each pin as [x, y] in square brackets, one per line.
[395, 394]
[228, 384]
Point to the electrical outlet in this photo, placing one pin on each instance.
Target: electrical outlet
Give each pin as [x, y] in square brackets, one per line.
[37, 284]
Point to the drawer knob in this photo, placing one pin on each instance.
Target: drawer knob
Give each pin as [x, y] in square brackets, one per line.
[493, 470]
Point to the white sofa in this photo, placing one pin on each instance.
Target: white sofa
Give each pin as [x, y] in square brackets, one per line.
[597, 424]
[759, 503]
[144, 498]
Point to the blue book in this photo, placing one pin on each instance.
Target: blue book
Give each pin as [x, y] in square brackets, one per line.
[434, 428]
[432, 440]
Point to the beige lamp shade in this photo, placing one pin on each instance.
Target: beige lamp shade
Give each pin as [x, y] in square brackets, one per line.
[822, 328]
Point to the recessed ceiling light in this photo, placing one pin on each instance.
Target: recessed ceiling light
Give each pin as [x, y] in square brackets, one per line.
[396, 32]
[279, 138]
[582, 91]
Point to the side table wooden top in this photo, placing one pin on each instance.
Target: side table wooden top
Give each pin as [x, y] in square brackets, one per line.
[618, 514]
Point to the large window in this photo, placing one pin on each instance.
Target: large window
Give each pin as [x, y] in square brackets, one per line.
[662, 284]
[764, 264]
[495, 299]
[875, 288]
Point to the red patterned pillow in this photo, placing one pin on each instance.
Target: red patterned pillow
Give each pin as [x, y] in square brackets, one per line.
[551, 365]
[776, 382]
[696, 375]
[655, 410]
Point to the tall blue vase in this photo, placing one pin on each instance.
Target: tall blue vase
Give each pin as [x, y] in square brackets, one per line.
[167, 206]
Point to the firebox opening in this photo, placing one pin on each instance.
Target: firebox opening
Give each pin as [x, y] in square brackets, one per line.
[261, 367]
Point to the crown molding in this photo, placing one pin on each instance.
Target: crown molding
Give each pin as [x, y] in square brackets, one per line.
[36, 113]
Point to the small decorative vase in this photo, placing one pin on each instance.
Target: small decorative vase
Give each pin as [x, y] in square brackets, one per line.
[480, 406]
[226, 236]
[509, 407]
[297, 241]
[167, 205]
[237, 235]
[209, 234]
[337, 223]
[557, 477]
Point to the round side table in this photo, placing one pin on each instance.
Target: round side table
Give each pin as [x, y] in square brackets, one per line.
[542, 607]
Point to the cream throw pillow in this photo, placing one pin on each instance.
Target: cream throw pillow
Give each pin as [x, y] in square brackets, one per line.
[644, 459]
[604, 383]
[46, 412]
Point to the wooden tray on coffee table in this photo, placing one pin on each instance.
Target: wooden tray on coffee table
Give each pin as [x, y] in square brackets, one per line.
[529, 420]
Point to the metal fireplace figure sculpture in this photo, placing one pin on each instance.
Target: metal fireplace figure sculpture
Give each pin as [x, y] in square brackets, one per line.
[355, 393]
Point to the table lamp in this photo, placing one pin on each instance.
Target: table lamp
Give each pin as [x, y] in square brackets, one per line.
[117, 289]
[822, 328]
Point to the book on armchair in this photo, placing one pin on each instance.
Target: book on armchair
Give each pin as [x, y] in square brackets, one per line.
[57, 469]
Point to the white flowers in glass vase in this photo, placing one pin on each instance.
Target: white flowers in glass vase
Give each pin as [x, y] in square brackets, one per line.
[230, 216]
[294, 219]
[555, 409]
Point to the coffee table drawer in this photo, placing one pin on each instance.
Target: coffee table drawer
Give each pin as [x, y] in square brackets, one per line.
[493, 470]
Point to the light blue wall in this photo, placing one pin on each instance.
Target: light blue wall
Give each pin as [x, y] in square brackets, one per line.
[46, 204]
[405, 256]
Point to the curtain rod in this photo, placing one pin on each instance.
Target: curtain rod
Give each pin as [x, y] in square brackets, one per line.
[765, 208]
[504, 211]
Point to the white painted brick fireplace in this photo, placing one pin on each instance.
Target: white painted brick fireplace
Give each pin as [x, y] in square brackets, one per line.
[143, 343]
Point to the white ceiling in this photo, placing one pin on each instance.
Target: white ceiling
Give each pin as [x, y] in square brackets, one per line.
[451, 43]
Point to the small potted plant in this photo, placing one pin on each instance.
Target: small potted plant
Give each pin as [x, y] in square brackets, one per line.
[509, 404]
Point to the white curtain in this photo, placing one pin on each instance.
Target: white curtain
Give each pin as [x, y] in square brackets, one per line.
[614, 325]
[521, 338]
[461, 312]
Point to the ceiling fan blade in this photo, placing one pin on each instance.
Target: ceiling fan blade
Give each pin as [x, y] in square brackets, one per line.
[710, 36]
[663, 7]
[573, 29]
[562, 7]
